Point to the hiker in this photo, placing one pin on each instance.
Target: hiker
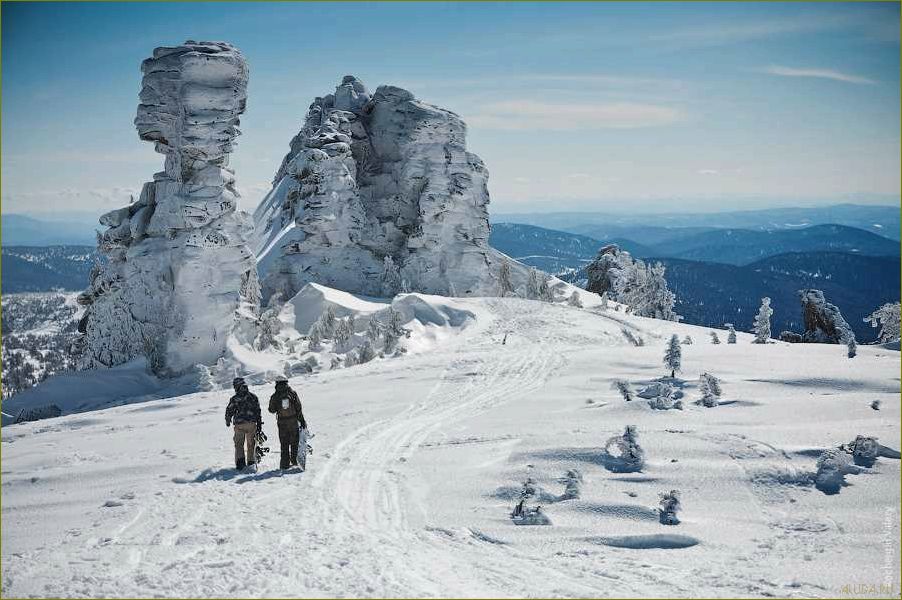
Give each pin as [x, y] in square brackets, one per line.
[286, 405]
[244, 411]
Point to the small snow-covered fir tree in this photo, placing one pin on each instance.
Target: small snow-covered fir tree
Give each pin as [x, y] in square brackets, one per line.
[670, 506]
[673, 355]
[731, 335]
[391, 277]
[848, 339]
[505, 287]
[546, 292]
[532, 284]
[572, 481]
[374, 330]
[687, 341]
[315, 337]
[623, 451]
[366, 352]
[709, 387]
[714, 338]
[887, 319]
[574, 300]
[762, 322]
[327, 323]
[343, 333]
[604, 301]
[622, 386]
[832, 467]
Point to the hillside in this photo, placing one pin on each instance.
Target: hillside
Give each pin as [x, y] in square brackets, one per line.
[419, 459]
[45, 268]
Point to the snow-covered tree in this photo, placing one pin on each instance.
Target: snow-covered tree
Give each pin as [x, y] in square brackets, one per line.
[572, 481]
[574, 300]
[670, 506]
[687, 341]
[315, 337]
[391, 277]
[731, 335]
[622, 386]
[762, 322]
[848, 339]
[709, 387]
[344, 330]
[546, 292]
[374, 330]
[864, 450]
[714, 338]
[327, 323]
[366, 352]
[887, 319]
[505, 287]
[604, 301]
[623, 451]
[394, 330]
[532, 284]
[673, 355]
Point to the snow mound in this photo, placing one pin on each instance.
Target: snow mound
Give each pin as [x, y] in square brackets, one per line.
[314, 299]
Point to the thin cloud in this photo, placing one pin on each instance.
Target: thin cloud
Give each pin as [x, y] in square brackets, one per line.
[721, 34]
[818, 73]
[533, 115]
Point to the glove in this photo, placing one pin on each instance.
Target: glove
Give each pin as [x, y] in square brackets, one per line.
[228, 422]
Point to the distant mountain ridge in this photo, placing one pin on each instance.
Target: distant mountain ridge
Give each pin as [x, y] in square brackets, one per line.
[45, 268]
[23, 230]
[714, 293]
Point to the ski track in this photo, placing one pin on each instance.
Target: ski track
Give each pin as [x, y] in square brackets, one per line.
[353, 526]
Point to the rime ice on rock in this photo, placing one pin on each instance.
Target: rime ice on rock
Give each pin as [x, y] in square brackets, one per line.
[378, 195]
[179, 272]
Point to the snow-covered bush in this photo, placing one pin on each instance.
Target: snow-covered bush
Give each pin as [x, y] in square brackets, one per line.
[572, 481]
[623, 453]
[714, 338]
[574, 300]
[687, 341]
[666, 403]
[761, 324]
[875, 404]
[374, 331]
[887, 319]
[604, 301]
[622, 386]
[709, 387]
[673, 355]
[864, 450]
[327, 323]
[832, 467]
[670, 506]
[632, 339]
[851, 344]
[731, 334]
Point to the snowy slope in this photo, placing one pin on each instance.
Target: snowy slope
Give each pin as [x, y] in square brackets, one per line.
[417, 458]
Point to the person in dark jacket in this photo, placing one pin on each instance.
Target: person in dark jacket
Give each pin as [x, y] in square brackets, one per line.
[286, 405]
[244, 411]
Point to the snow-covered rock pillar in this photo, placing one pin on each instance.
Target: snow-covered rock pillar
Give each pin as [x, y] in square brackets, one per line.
[179, 275]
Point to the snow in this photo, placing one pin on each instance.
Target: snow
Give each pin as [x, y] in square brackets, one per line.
[408, 491]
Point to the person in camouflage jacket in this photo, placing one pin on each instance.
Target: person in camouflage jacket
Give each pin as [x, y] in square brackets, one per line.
[244, 410]
[286, 405]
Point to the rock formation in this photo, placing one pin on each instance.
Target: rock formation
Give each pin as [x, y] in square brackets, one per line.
[178, 272]
[602, 271]
[824, 323]
[377, 195]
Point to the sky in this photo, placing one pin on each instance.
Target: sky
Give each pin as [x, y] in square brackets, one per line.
[572, 106]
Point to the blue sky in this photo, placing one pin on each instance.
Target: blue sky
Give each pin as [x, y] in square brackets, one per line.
[583, 106]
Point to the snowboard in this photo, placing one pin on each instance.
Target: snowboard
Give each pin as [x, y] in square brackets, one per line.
[260, 450]
[304, 447]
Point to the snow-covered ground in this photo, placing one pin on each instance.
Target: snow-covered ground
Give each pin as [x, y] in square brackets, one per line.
[418, 458]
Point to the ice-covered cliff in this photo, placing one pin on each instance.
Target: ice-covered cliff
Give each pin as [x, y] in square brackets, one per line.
[179, 274]
[378, 194]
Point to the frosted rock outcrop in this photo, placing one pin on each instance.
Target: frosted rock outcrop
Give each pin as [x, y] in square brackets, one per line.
[377, 195]
[824, 322]
[179, 275]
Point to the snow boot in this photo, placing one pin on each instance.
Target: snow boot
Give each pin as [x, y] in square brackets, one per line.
[240, 464]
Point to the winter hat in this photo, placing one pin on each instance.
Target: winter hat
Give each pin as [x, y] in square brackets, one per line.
[238, 381]
[281, 382]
